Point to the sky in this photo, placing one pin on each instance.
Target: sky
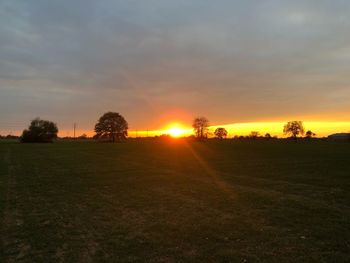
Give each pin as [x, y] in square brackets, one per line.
[158, 62]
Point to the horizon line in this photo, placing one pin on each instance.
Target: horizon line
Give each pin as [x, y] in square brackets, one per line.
[275, 128]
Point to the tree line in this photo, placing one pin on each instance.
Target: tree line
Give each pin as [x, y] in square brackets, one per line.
[292, 129]
[113, 127]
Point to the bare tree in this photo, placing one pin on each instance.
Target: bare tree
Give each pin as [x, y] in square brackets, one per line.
[220, 133]
[111, 125]
[294, 128]
[200, 126]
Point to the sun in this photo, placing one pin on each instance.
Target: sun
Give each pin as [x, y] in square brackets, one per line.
[175, 132]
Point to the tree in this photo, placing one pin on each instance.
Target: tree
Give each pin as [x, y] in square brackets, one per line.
[309, 134]
[83, 137]
[40, 131]
[294, 128]
[268, 136]
[254, 134]
[111, 125]
[200, 126]
[221, 133]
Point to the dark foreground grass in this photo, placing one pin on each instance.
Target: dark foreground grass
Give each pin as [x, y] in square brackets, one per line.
[175, 202]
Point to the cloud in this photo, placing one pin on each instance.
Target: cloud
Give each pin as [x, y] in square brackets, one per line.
[230, 60]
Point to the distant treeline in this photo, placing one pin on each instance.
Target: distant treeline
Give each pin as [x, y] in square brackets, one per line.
[9, 136]
[169, 137]
[112, 127]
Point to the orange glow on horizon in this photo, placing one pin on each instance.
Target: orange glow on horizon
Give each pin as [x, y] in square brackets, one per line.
[175, 132]
[321, 128]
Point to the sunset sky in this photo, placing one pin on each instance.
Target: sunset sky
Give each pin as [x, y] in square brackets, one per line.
[158, 62]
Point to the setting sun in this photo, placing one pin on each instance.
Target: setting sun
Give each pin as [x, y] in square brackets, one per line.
[175, 132]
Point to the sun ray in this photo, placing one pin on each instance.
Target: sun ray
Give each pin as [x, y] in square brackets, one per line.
[214, 175]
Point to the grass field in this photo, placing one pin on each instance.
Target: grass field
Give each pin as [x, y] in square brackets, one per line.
[176, 201]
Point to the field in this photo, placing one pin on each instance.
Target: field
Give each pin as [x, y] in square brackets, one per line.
[175, 201]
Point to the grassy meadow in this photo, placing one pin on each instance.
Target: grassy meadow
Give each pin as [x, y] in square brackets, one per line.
[175, 201]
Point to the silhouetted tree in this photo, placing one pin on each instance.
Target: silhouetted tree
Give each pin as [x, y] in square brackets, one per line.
[294, 128]
[83, 137]
[165, 136]
[112, 126]
[309, 134]
[254, 134]
[220, 133]
[40, 131]
[268, 136]
[200, 126]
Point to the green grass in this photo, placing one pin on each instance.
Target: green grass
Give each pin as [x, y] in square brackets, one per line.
[175, 202]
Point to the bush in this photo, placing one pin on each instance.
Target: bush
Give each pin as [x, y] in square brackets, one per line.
[40, 131]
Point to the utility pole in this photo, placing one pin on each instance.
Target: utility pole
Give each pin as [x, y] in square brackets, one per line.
[74, 129]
